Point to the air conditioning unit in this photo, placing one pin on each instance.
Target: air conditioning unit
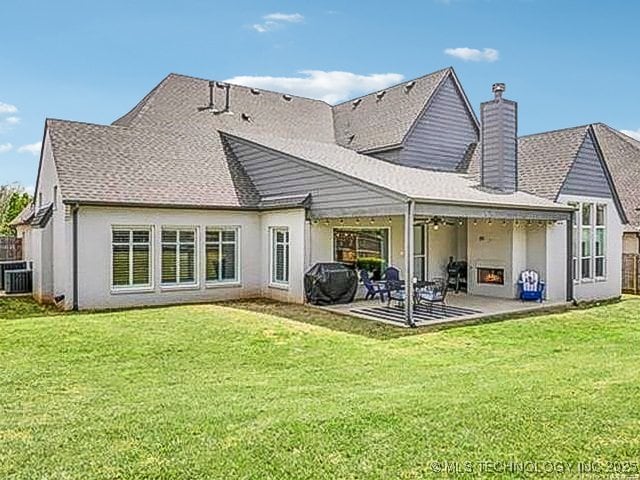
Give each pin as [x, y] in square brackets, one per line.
[11, 265]
[18, 281]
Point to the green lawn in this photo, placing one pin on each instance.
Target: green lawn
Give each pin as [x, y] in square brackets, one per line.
[240, 391]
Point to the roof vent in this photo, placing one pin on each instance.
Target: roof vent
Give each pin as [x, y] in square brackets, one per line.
[255, 91]
[356, 102]
[246, 117]
[287, 97]
[381, 94]
[352, 137]
[211, 107]
[409, 85]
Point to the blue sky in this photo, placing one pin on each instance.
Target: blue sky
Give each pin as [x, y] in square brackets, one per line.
[565, 62]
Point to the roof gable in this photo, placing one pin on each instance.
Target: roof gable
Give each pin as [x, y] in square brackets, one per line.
[587, 175]
[383, 119]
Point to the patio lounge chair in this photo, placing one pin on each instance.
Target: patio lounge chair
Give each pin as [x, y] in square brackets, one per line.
[531, 287]
[437, 293]
[372, 287]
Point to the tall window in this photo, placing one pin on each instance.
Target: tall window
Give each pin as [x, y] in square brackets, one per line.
[590, 234]
[130, 257]
[280, 256]
[364, 248]
[586, 239]
[419, 257]
[178, 256]
[221, 255]
[600, 239]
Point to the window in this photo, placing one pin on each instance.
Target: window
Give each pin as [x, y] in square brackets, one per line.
[419, 257]
[589, 236]
[221, 251]
[55, 197]
[586, 239]
[364, 248]
[280, 256]
[600, 239]
[179, 256]
[130, 257]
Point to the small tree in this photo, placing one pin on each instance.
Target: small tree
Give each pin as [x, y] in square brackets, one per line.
[13, 199]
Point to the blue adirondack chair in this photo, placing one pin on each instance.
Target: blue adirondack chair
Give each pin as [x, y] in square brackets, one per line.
[372, 287]
[531, 287]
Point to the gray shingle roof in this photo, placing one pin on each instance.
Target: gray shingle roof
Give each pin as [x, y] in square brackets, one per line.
[412, 182]
[112, 164]
[622, 154]
[42, 216]
[377, 123]
[544, 160]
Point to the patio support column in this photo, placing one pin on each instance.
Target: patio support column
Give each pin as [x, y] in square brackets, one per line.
[570, 253]
[408, 257]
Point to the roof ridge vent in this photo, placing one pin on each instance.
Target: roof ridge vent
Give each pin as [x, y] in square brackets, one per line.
[380, 95]
[287, 97]
[409, 85]
[246, 117]
[356, 102]
[255, 91]
[352, 137]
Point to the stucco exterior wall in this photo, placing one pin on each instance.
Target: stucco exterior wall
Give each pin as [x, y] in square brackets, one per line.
[611, 286]
[94, 256]
[295, 221]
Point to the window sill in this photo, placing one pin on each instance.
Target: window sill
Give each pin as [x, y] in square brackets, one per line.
[601, 279]
[171, 288]
[130, 290]
[279, 286]
[223, 285]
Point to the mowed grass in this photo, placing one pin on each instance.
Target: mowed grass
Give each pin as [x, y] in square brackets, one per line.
[229, 392]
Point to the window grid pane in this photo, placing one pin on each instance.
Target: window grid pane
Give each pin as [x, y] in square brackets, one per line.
[221, 252]
[280, 256]
[131, 257]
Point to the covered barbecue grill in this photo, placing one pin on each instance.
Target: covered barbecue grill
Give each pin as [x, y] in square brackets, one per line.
[330, 283]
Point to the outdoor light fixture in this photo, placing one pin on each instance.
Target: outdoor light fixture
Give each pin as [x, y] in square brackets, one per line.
[372, 221]
[327, 222]
[390, 220]
[460, 222]
[475, 221]
[342, 221]
[357, 221]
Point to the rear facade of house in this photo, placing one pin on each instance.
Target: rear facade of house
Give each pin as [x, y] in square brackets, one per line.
[207, 191]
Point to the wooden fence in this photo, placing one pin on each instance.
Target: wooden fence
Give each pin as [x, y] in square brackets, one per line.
[631, 273]
[10, 248]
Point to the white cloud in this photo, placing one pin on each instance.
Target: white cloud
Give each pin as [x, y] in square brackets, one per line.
[5, 147]
[7, 108]
[473, 54]
[12, 120]
[32, 148]
[632, 133]
[273, 21]
[332, 87]
[284, 17]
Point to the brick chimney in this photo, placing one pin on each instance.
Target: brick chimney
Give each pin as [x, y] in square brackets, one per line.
[499, 118]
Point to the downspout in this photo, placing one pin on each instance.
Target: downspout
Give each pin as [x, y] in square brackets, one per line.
[408, 254]
[74, 216]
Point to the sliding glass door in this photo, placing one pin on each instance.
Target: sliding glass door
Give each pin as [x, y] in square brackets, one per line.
[420, 252]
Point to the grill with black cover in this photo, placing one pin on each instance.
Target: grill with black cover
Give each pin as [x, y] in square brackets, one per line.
[330, 283]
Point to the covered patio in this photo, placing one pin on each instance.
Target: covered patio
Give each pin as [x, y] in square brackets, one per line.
[494, 244]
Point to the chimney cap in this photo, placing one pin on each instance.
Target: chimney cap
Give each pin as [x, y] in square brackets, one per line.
[498, 89]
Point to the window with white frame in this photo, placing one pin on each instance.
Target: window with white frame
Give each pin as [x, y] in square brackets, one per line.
[221, 252]
[599, 249]
[590, 233]
[280, 256]
[586, 241]
[179, 251]
[130, 257]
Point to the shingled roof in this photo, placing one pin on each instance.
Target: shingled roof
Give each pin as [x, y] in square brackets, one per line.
[622, 155]
[382, 119]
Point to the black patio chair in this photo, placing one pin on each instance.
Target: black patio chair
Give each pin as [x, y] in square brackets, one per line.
[372, 287]
[436, 294]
